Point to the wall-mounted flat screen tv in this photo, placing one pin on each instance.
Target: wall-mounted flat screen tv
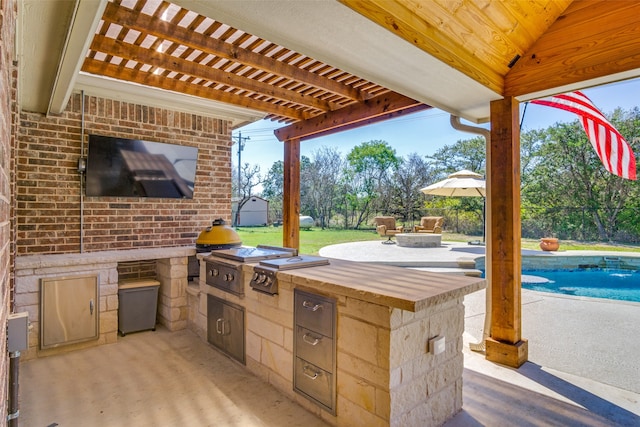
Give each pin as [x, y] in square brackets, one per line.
[118, 167]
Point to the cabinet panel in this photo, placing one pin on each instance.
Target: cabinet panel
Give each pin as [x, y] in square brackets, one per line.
[68, 310]
[215, 308]
[225, 327]
[233, 331]
[315, 348]
[314, 313]
[314, 374]
[314, 382]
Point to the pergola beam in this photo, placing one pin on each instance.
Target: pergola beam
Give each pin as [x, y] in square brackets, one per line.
[380, 108]
[96, 67]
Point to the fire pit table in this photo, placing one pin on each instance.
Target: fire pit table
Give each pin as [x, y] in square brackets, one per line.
[419, 240]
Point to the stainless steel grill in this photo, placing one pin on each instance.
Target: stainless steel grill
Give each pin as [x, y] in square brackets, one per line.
[224, 266]
[264, 274]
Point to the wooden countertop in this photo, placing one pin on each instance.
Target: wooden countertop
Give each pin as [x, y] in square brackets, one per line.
[397, 287]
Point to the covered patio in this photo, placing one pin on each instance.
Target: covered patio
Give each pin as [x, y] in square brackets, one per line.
[324, 67]
[327, 66]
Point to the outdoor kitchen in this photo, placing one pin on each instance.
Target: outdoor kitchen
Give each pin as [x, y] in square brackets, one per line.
[346, 341]
[356, 344]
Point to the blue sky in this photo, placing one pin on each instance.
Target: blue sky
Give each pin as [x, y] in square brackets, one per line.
[423, 132]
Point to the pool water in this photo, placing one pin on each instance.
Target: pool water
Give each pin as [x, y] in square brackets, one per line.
[596, 283]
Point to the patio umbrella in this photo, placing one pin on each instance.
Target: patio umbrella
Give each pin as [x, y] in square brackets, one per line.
[463, 183]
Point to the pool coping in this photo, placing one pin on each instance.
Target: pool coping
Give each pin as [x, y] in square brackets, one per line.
[575, 260]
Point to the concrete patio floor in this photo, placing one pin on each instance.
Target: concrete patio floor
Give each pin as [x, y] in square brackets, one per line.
[582, 371]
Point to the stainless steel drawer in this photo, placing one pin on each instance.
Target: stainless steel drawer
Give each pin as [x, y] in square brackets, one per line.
[315, 348]
[314, 382]
[314, 312]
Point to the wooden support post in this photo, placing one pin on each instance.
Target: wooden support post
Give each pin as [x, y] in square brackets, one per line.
[291, 196]
[505, 345]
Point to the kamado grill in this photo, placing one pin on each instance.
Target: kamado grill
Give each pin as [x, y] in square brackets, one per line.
[217, 236]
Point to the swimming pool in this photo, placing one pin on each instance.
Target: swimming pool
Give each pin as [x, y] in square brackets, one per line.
[593, 282]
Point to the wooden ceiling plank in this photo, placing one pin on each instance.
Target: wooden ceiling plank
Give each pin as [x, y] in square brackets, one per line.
[149, 79]
[469, 26]
[376, 109]
[143, 22]
[180, 65]
[427, 37]
[587, 22]
[520, 21]
[604, 44]
[532, 16]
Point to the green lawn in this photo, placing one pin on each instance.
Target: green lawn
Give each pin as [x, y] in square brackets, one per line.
[310, 240]
[315, 238]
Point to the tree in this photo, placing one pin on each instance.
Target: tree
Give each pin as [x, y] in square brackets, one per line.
[405, 198]
[369, 165]
[322, 177]
[467, 154]
[570, 188]
[272, 188]
[249, 180]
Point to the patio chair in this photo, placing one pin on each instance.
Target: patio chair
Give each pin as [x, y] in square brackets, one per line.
[429, 224]
[386, 227]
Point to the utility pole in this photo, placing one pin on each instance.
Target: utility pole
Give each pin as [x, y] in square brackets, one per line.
[240, 140]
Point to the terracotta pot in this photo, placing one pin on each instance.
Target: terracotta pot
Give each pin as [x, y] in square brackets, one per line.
[549, 244]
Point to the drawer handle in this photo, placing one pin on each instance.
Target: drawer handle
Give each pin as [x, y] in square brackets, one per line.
[219, 328]
[309, 305]
[306, 369]
[310, 339]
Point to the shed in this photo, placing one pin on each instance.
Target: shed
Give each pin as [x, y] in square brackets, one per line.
[254, 211]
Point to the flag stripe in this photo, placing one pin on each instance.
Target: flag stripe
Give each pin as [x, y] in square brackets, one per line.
[612, 149]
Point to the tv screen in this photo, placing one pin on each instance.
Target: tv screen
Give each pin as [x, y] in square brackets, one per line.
[118, 167]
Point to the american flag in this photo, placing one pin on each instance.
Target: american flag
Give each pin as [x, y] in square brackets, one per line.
[614, 151]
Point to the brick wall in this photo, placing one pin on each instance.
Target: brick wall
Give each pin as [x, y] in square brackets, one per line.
[7, 109]
[49, 187]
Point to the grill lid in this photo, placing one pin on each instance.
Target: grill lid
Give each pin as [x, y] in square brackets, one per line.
[249, 254]
[218, 236]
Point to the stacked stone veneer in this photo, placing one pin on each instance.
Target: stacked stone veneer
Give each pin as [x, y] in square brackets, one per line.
[171, 272]
[385, 374]
[48, 185]
[172, 298]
